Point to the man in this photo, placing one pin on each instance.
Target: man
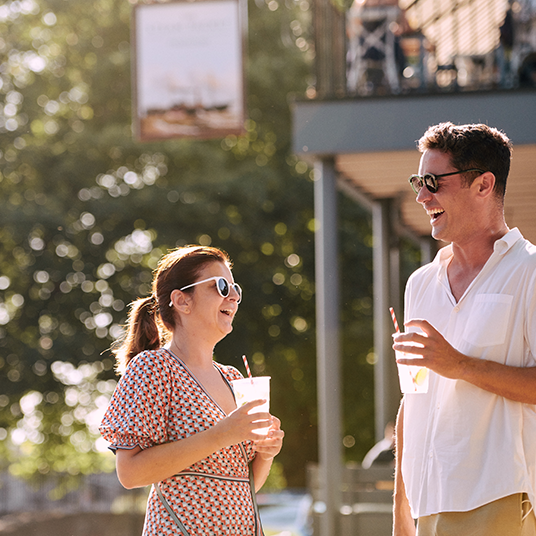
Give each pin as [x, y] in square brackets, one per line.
[466, 450]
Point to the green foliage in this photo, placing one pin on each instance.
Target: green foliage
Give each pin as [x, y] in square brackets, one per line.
[86, 212]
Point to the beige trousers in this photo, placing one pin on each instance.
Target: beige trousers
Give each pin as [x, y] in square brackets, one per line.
[509, 516]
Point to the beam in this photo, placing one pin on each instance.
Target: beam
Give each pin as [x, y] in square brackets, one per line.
[359, 125]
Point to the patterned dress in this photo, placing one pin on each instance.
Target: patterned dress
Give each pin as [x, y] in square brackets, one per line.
[158, 401]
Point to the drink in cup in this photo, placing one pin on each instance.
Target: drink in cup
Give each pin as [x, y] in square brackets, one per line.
[413, 379]
[256, 388]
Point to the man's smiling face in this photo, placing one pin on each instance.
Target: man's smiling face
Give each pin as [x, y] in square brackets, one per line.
[450, 208]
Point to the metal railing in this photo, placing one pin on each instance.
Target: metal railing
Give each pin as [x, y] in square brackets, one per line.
[93, 493]
[367, 500]
[405, 46]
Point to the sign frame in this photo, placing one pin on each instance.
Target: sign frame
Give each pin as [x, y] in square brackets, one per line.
[188, 69]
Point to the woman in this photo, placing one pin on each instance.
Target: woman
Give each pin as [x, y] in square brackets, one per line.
[172, 420]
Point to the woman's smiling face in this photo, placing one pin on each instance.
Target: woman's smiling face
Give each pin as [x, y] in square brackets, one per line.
[208, 307]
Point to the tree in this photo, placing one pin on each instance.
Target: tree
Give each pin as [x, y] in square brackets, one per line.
[86, 212]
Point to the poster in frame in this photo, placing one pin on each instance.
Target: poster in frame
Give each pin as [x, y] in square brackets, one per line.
[188, 69]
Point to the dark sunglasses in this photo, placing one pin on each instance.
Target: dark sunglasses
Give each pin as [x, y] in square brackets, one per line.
[222, 285]
[430, 180]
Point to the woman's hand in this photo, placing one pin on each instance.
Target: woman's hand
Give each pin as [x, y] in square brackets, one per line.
[267, 449]
[270, 446]
[240, 425]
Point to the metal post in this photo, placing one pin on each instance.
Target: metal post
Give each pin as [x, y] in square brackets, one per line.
[428, 250]
[386, 392]
[328, 352]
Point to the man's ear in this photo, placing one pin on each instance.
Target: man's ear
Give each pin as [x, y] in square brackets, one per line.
[485, 183]
[180, 301]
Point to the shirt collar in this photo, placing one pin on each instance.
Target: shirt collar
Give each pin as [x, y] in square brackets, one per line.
[501, 246]
[444, 255]
[505, 243]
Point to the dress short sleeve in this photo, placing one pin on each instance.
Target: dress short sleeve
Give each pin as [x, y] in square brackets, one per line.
[139, 408]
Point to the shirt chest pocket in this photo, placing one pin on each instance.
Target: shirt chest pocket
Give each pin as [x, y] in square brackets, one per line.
[488, 322]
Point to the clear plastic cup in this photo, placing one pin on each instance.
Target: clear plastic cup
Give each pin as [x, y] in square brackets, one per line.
[412, 379]
[255, 388]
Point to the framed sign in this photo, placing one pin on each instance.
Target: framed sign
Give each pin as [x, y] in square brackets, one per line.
[188, 69]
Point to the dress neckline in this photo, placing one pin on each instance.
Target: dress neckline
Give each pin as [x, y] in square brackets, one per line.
[193, 376]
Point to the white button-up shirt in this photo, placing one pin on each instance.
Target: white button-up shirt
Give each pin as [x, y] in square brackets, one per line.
[463, 446]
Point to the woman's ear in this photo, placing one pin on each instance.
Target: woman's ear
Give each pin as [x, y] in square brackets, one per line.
[180, 301]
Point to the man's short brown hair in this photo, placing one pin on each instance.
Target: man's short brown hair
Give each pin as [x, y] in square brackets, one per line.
[472, 146]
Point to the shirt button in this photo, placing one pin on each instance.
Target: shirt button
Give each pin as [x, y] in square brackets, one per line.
[456, 309]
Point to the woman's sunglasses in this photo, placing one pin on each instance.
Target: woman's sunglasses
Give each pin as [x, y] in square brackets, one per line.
[430, 180]
[222, 285]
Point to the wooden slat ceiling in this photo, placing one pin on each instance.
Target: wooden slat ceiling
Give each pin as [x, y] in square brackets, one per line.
[384, 174]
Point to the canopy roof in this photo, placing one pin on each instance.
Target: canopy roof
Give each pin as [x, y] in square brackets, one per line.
[384, 174]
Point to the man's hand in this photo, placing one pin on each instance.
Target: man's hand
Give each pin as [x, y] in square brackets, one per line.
[514, 383]
[437, 354]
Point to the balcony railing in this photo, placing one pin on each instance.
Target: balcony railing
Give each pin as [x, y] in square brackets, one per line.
[404, 46]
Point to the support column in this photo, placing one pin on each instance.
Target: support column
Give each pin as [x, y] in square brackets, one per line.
[428, 249]
[328, 347]
[386, 294]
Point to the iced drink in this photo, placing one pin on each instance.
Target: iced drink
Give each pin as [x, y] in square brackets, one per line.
[255, 388]
[412, 379]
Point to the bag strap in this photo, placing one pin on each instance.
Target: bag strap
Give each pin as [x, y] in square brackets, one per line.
[170, 511]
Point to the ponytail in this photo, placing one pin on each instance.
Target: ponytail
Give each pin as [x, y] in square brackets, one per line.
[143, 332]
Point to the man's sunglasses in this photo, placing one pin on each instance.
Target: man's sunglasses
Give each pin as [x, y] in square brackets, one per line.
[430, 180]
[222, 286]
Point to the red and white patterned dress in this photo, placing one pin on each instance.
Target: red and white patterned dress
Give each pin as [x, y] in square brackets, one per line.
[157, 401]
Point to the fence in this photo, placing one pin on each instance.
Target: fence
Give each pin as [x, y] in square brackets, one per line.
[79, 524]
[92, 493]
[367, 500]
[96, 506]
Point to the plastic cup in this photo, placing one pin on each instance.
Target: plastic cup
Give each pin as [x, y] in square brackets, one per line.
[412, 379]
[256, 388]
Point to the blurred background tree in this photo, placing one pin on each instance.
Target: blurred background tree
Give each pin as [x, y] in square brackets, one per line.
[86, 212]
